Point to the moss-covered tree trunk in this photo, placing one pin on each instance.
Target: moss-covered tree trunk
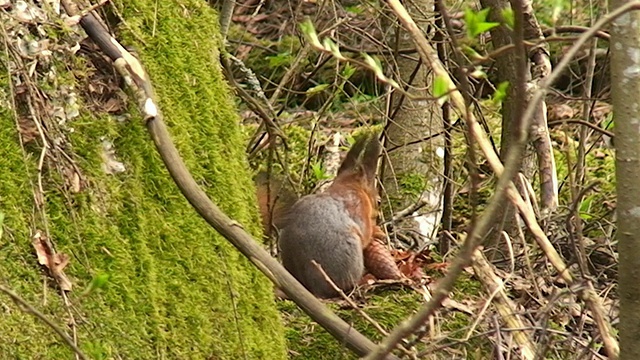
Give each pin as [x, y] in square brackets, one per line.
[175, 289]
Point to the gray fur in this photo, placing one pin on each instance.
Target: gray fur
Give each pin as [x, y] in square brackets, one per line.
[320, 229]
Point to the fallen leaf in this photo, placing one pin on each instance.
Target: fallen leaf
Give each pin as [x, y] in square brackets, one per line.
[28, 129]
[55, 262]
[412, 270]
[455, 305]
[72, 180]
[411, 264]
[560, 112]
[438, 266]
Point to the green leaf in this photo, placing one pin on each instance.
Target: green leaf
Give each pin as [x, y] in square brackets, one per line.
[471, 52]
[280, 60]
[478, 73]
[470, 22]
[354, 9]
[374, 64]
[329, 45]
[347, 71]
[501, 92]
[1, 222]
[441, 89]
[98, 282]
[509, 18]
[317, 89]
[350, 140]
[585, 207]
[318, 172]
[482, 14]
[309, 31]
[477, 22]
[485, 26]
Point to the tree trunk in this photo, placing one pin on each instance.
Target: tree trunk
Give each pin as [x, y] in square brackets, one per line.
[413, 171]
[507, 67]
[175, 288]
[625, 85]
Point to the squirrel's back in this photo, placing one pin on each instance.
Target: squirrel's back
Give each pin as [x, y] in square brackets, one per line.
[322, 229]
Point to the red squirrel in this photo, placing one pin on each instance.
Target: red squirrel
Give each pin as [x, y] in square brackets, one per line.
[334, 227]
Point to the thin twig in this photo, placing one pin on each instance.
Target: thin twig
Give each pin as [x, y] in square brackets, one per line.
[346, 298]
[26, 307]
[583, 123]
[357, 308]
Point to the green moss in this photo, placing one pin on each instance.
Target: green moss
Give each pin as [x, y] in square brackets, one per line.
[176, 288]
[388, 307]
[412, 184]
[307, 340]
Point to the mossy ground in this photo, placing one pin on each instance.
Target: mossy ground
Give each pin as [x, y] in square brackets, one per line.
[388, 308]
[176, 289]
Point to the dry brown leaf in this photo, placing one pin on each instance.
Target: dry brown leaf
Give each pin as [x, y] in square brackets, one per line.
[455, 305]
[560, 112]
[55, 262]
[442, 267]
[412, 264]
[41, 249]
[28, 129]
[72, 180]
[412, 269]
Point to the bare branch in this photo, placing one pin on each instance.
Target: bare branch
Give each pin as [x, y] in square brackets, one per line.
[26, 307]
[505, 306]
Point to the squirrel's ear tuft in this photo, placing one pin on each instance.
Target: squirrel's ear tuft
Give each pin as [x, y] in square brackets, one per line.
[370, 156]
[350, 162]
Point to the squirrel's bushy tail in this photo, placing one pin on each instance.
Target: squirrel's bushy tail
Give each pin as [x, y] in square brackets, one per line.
[275, 198]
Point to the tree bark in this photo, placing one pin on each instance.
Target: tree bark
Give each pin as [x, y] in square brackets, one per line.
[412, 174]
[625, 86]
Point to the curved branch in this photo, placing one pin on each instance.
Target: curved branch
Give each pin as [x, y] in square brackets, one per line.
[138, 80]
[584, 123]
[574, 29]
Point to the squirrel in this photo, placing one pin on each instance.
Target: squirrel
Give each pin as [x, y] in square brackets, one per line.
[275, 200]
[334, 227]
